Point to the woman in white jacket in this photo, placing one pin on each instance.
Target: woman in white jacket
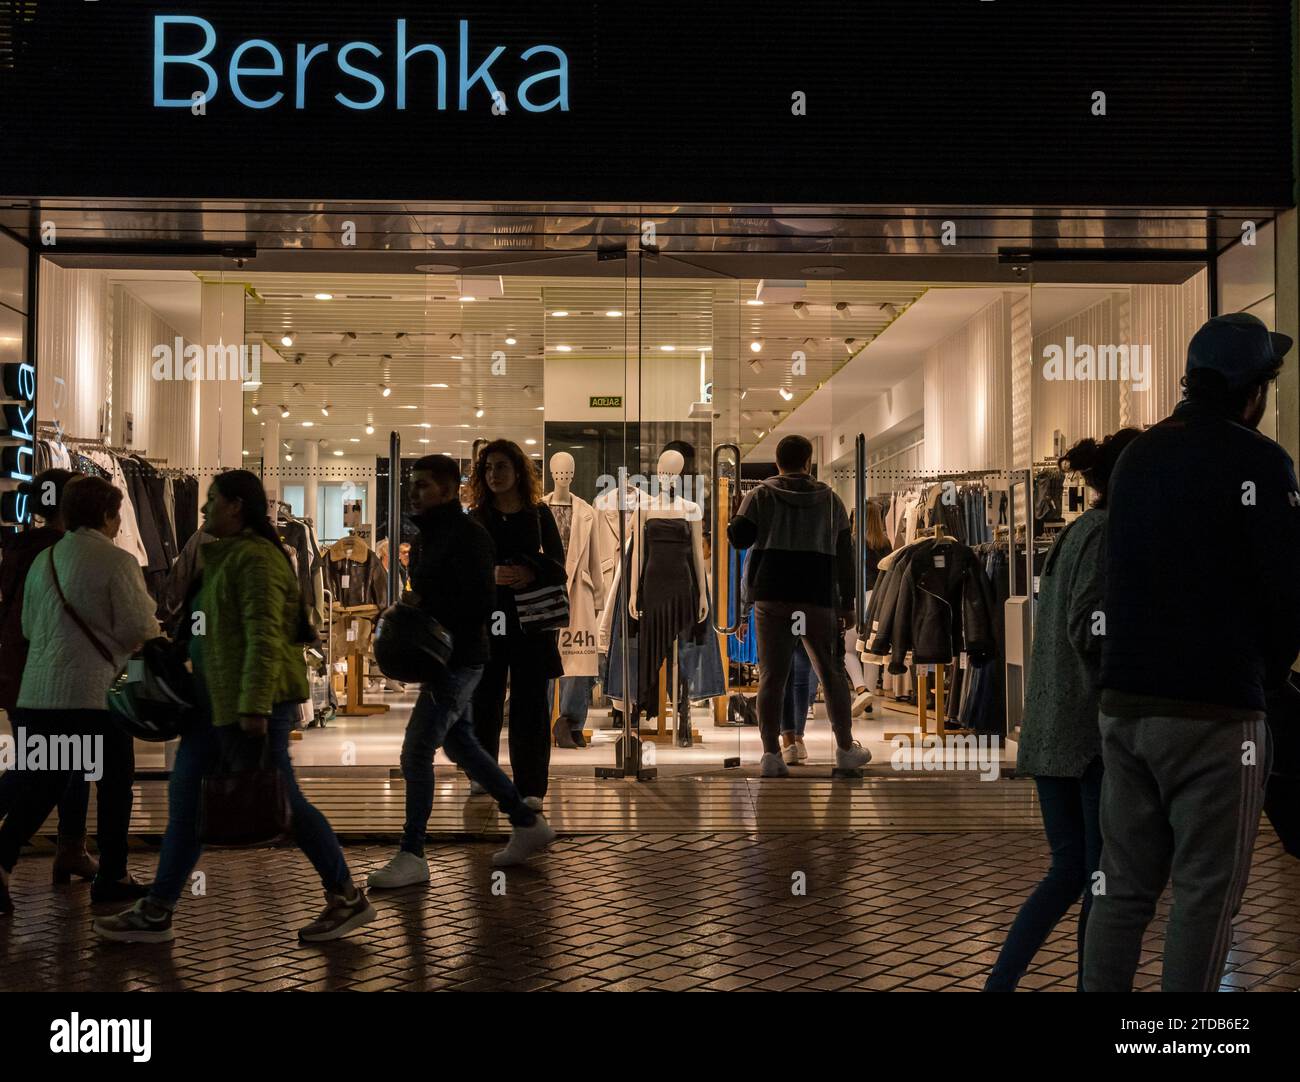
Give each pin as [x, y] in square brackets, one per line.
[61, 704]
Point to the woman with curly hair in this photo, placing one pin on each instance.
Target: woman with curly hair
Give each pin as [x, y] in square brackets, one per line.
[506, 500]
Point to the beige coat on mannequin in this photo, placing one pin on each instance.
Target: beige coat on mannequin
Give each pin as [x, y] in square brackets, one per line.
[586, 591]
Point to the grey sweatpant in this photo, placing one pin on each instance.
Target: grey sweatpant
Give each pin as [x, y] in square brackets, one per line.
[1180, 795]
[778, 625]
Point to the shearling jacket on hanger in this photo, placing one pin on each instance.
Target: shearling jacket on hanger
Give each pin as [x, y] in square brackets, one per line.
[586, 584]
[945, 606]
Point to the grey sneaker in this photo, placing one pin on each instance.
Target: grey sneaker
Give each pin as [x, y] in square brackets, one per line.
[145, 922]
[853, 757]
[404, 870]
[773, 766]
[340, 916]
[524, 842]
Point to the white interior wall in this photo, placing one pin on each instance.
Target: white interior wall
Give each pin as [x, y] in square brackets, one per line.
[75, 348]
[165, 412]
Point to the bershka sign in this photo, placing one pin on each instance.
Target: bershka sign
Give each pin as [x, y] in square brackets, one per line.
[19, 432]
[189, 63]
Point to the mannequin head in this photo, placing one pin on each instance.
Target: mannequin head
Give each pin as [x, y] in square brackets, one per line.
[670, 467]
[562, 470]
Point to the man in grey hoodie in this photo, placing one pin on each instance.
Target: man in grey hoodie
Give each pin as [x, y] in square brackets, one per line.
[800, 582]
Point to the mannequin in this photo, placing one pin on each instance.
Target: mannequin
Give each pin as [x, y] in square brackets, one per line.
[667, 594]
[577, 523]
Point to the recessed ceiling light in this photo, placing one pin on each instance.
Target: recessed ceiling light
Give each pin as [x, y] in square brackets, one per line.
[512, 341]
[245, 454]
[530, 443]
[286, 340]
[354, 439]
[408, 407]
[457, 356]
[564, 349]
[439, 386]
[324, 296]
[288, 458]
[755, 303]
[541, 407]
[468, 300]
[560, 315]
[426, 425]
[536, 454]
[462, 441]
[338, 454]
[614, 313]
[756, 346]
[370, 430]
[669, 349]
[309, 424]
[424, 441]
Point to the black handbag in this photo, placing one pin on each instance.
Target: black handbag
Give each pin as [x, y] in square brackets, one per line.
[244, 804]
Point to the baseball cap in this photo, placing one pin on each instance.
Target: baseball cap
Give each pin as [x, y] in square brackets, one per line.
[1240, 347]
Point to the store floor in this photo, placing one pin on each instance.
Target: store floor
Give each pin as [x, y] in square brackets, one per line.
[377, 742]
[897, 912]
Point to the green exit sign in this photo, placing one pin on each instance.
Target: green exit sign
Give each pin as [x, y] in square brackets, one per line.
[607, 402]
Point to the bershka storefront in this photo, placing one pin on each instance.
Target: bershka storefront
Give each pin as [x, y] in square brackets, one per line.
[943, 240]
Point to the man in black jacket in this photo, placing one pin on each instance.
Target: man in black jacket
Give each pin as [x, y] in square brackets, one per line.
[1201, 617]
[800, 581]
[452, 579]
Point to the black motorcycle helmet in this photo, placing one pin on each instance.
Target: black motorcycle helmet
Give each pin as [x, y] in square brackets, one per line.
[153, 697]
[410, 645]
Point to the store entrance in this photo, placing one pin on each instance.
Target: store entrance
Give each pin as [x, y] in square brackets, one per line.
[647, 386]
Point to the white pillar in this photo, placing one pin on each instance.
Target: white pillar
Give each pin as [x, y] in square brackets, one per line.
[221, 402]
[271, 478]
[372, 503]
[310, 484]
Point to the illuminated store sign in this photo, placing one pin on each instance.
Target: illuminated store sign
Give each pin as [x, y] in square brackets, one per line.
[18, 456]
[261, 75]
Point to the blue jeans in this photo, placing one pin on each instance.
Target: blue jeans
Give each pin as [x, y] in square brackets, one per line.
[441, 718]
[800, 690]
[575, 698]
[1072, 821]
[200, 752]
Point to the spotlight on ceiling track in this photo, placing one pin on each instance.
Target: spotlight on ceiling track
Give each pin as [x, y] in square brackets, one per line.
[756, 346]
[385, 390]
[286, 340]
[756, 365]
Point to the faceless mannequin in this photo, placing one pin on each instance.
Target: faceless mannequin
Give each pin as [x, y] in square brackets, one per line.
[562, 470]
[668, 504]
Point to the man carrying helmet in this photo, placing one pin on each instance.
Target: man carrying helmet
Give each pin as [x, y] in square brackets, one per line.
[452, 579]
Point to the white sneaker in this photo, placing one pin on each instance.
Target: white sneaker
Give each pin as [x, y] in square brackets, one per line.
[475, 789]
[852, 757]
[790, 754]
[524, 842]
[802, 750]
[773, 766]
[862, 704]
[404, 870]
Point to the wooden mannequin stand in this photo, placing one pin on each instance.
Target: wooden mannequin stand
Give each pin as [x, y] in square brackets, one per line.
[356, 682]
[665, 732]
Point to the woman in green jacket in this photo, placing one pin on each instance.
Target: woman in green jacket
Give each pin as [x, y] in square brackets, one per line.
[247, 652]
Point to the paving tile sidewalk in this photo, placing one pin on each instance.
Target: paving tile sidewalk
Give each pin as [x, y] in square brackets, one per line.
[690, 911]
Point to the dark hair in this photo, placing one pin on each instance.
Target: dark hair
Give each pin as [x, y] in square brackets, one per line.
[1206, 387]
[88, 502]
[528, 482]
[45, 484]
[1096, 461]
[441, 468]
[247, 489]
[794, 453]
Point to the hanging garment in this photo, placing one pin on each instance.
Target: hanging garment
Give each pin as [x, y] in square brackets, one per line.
[128, 537]
[586, 584]
[356, 575]
[744, 652]
[945, 605]
[607, 534]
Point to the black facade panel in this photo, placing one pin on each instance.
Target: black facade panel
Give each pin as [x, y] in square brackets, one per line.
[908, 102]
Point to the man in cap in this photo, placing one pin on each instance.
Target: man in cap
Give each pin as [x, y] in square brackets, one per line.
[1202, 615]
